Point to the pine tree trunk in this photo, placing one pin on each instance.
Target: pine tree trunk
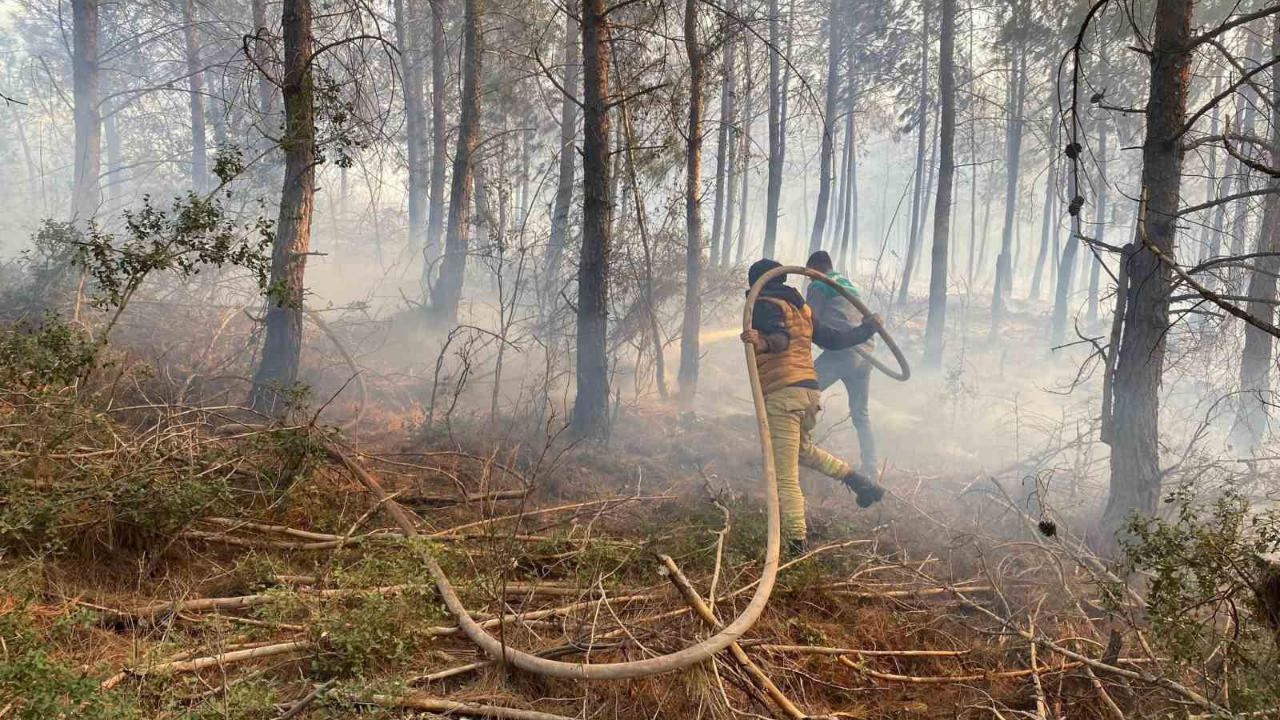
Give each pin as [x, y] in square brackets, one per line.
[689, 345]
[591, 406]
[937, 321]
[1248, 126]
[834, 49]
[447, 292]
[849, 216]
[776, 139]
[111, 134]
[195, 92]
[744, 153]
[722, 149]
[439, 136]
[408, 28]
[1047, 212]
[1100, 225]
[922, 133]
[1211, 177]
[568, 151]
[1135, 460]
[732, 172]
[931, 176]
[1013, 141]
[282, 349]
[88, 122]
[1252, 421]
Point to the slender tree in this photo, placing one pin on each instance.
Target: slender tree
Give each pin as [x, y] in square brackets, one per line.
[408, 29]
[922, 134]
[591, 406]
[88, 122]
[282, 348]
[937, 320]
[744, 154]
[439, 137]
[776, 139]
[834, 49]
[1046, 215]
[722, 147]
[1252, 420]
[447, 292]
[689, 346]
[1013, 159]
[195, 92]
[567, 151]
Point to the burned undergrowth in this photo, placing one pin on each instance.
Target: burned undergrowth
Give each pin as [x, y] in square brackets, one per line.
[166, 556]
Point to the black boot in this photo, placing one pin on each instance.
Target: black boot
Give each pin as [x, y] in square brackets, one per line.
[867, 491]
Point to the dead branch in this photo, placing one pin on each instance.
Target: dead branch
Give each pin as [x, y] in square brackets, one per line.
[437, 705]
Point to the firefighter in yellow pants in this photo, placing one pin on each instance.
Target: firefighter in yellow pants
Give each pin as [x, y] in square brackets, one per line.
[783, 331]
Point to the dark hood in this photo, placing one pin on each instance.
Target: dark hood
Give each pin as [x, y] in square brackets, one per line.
[777, 287]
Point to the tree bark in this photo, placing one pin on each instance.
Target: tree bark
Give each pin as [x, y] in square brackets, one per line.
[776, 139]
[922, 133]
[937, 320]
[722, 147]
[111, 133]
[591, 406]
[689, 345]
[834, 50]
[1047, 212]
[1013, 146]
[195, 91]
[849, 216]
[1211, 179]
[1252, 420]
[408, 29]
[282, 349]
[439, 135]
[447, 292]
[88, 122]
[1248, 126]
[568, 151]
[1135, 466]
[1100, 217]
[733, 172]
[744, 153]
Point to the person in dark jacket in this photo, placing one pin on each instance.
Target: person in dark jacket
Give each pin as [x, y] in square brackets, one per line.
[783, 331]
[847, 366]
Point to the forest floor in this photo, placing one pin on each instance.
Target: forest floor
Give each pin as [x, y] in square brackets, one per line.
[163, 561]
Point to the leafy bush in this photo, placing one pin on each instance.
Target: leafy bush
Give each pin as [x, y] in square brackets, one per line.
[52, 353]
[1208, 598]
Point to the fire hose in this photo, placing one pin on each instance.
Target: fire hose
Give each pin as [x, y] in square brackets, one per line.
[706, 649]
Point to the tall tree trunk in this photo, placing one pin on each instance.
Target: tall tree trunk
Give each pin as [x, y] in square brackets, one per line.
[834, 49]
[849, 216]
[1248, 126]
[776, 139]
[931, 171]
[937, 321]
[282, 349]
[922, 134]
[744, 153]
[408, 28]
[1100, 224]
[447, 292]
[1211, 178]
[111, 133]
[262, 57]
[568, 152]
[87, 90]
[722, 148]
[591, 406]
[1255, 361]
[734, 122]
[1135, 460]
[439, 135]
[1013, 146]
[1047, 213]
[689, 345]
[195, 91]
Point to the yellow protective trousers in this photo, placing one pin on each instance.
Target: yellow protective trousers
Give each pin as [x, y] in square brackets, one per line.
[793, 413]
